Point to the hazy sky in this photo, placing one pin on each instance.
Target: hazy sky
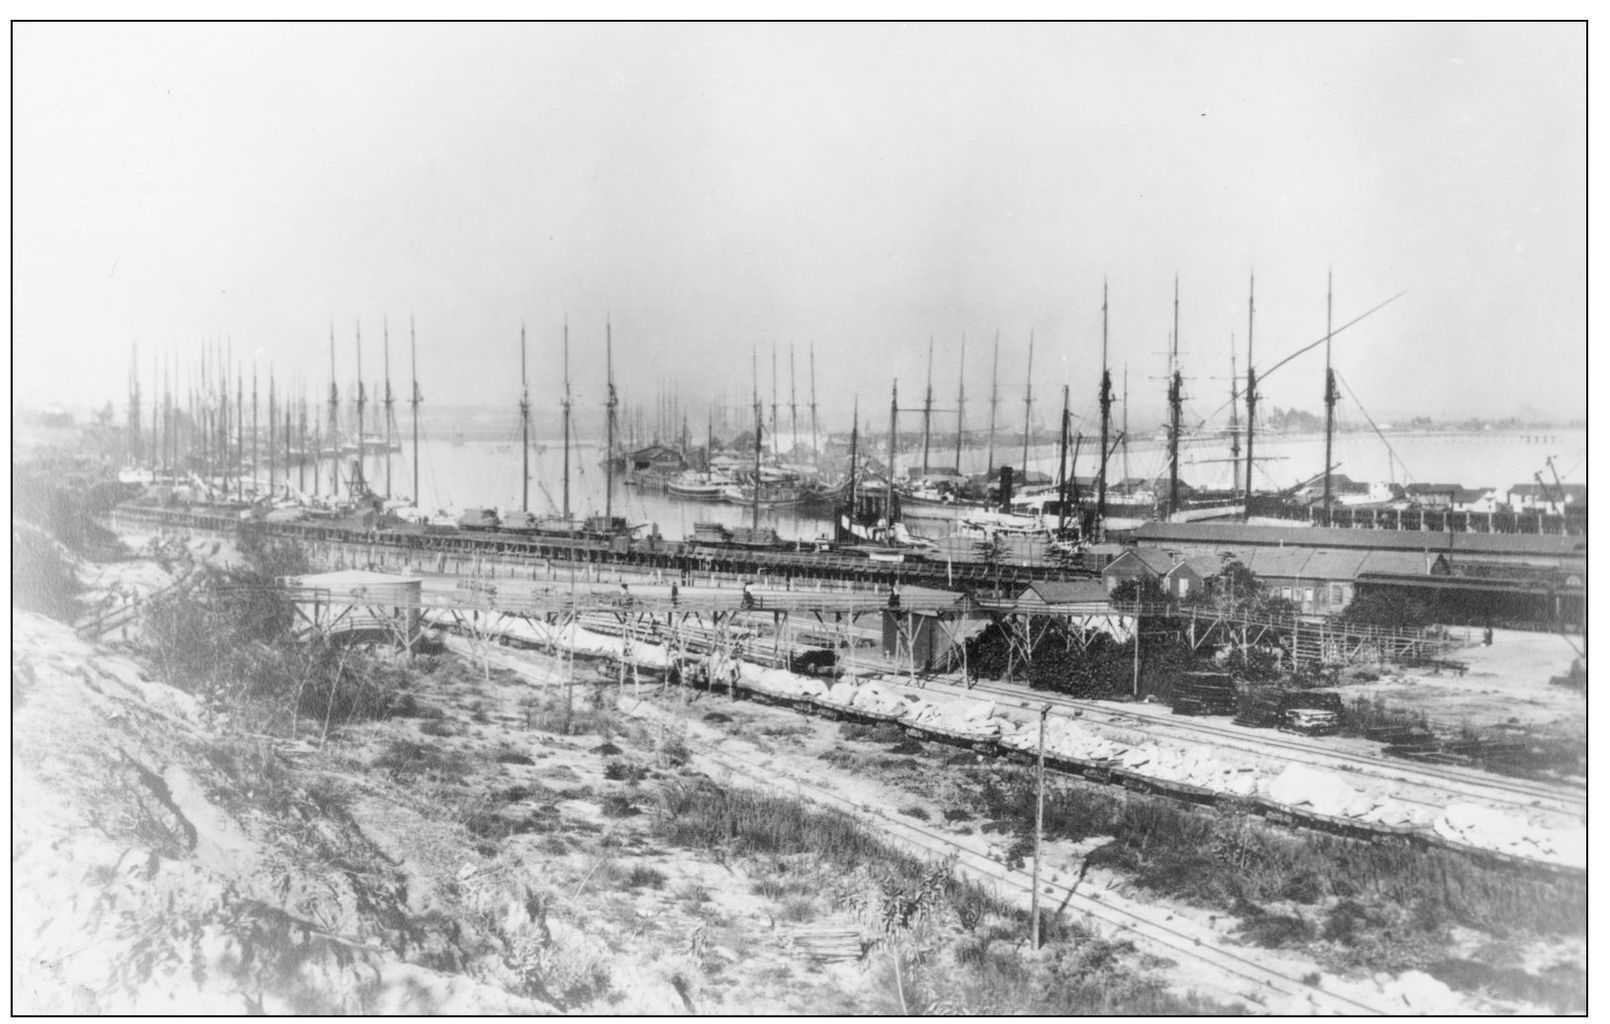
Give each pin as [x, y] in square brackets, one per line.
[859, 188]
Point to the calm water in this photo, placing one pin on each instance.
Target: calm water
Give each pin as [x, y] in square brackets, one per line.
[477, 474]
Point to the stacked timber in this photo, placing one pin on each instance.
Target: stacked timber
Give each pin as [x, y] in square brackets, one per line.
[1204, 693]
[1260, 708]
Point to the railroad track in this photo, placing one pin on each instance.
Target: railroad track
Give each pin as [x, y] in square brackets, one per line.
[1453, 781]
[1177, 940]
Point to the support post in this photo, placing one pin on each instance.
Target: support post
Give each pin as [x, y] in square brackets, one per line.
[1039, 830]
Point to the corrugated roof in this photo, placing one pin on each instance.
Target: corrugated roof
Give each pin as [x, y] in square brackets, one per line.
[348, 578]
[1065, 591]
[1216, 535]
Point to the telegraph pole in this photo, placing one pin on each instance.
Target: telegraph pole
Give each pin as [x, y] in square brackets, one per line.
[1330, 398]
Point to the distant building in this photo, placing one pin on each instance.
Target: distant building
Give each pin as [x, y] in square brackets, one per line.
[1549, 498]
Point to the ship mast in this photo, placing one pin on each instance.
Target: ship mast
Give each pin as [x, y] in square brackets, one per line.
[271, 433]
[961, 402]
[1028, 402]
[773, 402]
[1252, 386]
[894, 417]
[390, 400]
[134, 405]
[1106, 420]
[816, 451]
[1235, 424]
[335, 449]
[928, 406]
[525, 431]
[255, 422]
[1330, 398]
[754, 376]
[565, 405]
[1174, 384]
[793, 404]
[240, 431]
[413, 356]
[609, 427]
[1062, 467]
[994, 400]
[362, 480]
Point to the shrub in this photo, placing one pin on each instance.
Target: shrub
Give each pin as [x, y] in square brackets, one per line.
[642, 876]
[618, 805]
[621, 771]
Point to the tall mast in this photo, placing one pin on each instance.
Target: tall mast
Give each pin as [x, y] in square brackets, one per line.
[1106, 419]
[609, 427]
[271, 433]
[961, 402]
[362, 396]
[1174, 383]
[894, 417]
[413, 354]
[287, 439]
[855, 438]
[1252, 385]
[1062, 466]
[1235, 423]
[994, 400]
[525, 431]
[240, 430]
[385, 337]
[754, 376]
[816, 450]
[254, 421]
[134, 405]
[1330, 397]
[335, 448]
[793, 403]
[773, 402]
[1125, 431]
[565, 405]
[1028, 401]
[928, 405]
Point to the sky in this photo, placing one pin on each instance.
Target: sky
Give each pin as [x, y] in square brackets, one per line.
[858, 190]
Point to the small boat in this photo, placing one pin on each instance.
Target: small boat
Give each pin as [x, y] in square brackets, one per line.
[695, 486]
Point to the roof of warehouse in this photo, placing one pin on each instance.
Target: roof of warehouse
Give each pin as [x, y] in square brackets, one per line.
[1236, 534]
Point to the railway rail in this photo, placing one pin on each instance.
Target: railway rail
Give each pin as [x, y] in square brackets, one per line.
[1172, 939]
[1450, 780]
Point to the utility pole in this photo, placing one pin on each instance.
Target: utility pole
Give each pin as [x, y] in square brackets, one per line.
[1330, 398]
[961, 403]
[1039, 832]
[1174, 398]
[1106, 421]
[1028, 401]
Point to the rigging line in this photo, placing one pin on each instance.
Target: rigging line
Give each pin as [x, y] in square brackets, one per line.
[1263, 375]
[1392, 451]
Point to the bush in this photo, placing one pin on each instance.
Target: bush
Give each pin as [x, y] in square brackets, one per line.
[43, 579]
